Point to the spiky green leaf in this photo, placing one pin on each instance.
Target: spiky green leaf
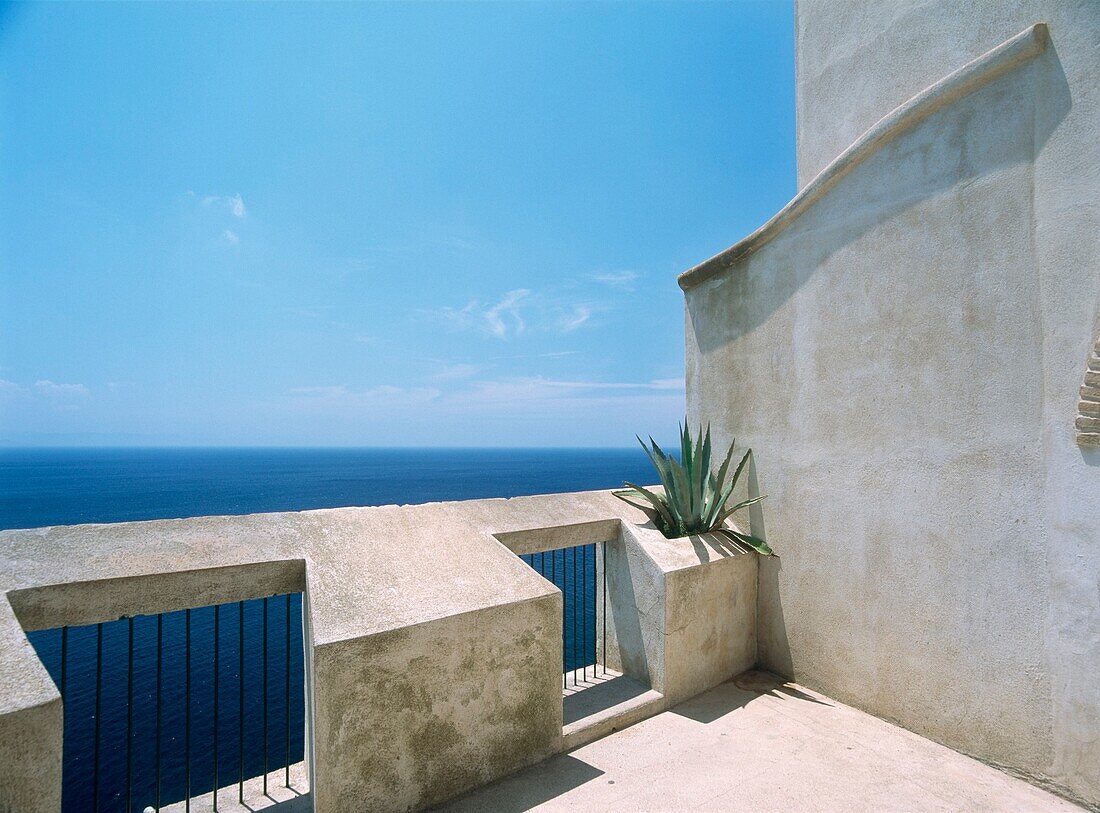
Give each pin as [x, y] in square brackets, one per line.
[753, 542]
[655, 500]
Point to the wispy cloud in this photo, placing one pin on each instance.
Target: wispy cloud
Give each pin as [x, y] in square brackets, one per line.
[623, 280]
[457, 372]
[49, 389]
[458, 407]
[230, 237]
[234, 204]
[527, 388]
[500, 320]
[341, 395]
[44, 395]
[517, 311]
[508, 307]
[557, 354]
[580, 315]
[9, 389]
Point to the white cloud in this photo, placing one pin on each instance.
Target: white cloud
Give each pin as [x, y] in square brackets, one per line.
[457, 372]
[517, 311]
[234, 204]
[508, 306]
[498, 320]
[231, 237]
[538, 388]
[44, 390]
[580, 315]
[457, 409]
[343, 396]
[623, 280]
[49, 389]
[9, 389]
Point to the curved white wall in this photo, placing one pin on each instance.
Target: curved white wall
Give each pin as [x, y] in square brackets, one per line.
[904, 355]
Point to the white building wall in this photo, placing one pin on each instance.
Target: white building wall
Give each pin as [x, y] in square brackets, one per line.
[904, 354]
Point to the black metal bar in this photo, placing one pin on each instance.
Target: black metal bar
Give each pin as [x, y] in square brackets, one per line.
[563, 662]
[98, 708]
[187, 710]
[286, 696]
[265, 694]
[574, 616]
[240, 718]
[130, 717]
[603, 552]
[109, 720]
[217, 674]
[584, 612]
[160, 663]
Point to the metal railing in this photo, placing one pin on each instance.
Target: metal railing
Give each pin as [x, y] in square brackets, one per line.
[162, 709]
[575, 571]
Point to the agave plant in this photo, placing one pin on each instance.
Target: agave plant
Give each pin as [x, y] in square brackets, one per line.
[695, 500]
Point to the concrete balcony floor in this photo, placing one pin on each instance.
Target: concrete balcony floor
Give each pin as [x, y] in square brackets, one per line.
[754, 744]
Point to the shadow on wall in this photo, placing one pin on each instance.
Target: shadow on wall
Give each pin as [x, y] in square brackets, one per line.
[947, 149]
[772, 646]
[627, 644]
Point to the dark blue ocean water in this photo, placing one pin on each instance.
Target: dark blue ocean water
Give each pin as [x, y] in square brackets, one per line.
[67, 486]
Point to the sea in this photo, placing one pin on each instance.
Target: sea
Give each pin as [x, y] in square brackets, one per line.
[152, 714]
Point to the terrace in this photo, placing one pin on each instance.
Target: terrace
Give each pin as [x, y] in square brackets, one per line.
[903, 347]
[434, 654]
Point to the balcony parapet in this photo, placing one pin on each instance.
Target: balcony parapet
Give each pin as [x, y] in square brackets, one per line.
[433, 653]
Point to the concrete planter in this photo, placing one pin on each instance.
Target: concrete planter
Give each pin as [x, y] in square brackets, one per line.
[682, 612]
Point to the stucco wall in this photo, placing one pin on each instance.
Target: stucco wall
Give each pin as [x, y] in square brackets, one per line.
[904, 355]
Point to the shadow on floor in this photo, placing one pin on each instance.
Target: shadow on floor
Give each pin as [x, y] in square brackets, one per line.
[599, 695]
[528, 788]
[737, 693]
[787, 690]
[715, 704]
[302, 803]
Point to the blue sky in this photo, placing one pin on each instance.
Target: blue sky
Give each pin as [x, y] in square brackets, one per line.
[414, 224]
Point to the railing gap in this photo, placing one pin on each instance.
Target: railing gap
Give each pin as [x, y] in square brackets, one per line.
[141, 698]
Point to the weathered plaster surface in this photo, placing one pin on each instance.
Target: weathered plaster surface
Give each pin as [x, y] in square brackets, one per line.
[403, 717]
[433, 652]
[904, 356]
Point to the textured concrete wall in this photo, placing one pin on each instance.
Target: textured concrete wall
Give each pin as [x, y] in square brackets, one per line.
[681, 613]
[904, 353]
[433, 653]
[30, 725]
[414, 716]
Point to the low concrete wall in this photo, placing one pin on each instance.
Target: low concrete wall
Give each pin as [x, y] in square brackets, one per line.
[434, 653]
[416, 715]
[681, 614]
